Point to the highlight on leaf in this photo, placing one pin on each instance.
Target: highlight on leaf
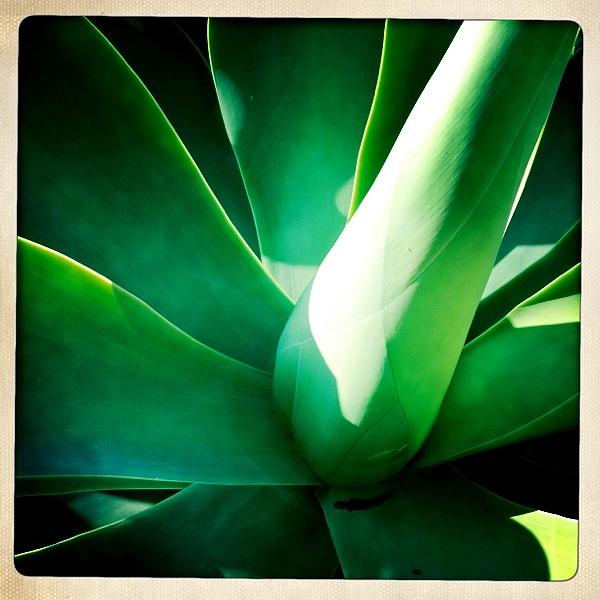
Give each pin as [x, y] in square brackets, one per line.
[298, 298]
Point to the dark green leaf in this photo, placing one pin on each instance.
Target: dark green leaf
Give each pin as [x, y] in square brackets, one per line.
[295, 97]
[179, 79]
[437, 525]
[44, 520]
[104, 179]
[203, 531]
[67, 484]
[105, 386]
[542, 472]
[196, 29]
[551, 199]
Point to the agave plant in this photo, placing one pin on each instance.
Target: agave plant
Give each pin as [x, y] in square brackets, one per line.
[280, 281]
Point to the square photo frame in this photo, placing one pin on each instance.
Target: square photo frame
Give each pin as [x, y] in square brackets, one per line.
[21, 584]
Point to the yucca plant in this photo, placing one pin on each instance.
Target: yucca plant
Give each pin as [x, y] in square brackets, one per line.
[280, 281]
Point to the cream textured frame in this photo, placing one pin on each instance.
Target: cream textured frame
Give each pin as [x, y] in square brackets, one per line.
[587, 580]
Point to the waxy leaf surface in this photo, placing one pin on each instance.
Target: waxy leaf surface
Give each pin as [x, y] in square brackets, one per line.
[106, 386]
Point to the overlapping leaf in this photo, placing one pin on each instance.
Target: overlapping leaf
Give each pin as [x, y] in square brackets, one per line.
[369, 351]
[104, 179]
[44, 520]
[551, 199]
[437, 525]
[525, 282]
[543, 238]
[179, 79]
[34, 485]
[203, 531]
[110, 395]
[105, 386]
[295, 97]
[517, 380]
[411, 52]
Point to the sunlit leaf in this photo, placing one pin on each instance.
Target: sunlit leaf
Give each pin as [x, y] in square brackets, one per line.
[368, 353]
[295, 97]
[105, 180]
[203, 531]
[105, 386]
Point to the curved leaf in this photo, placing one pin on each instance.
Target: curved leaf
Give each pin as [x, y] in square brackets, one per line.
[179, 79]
[295, 96]
[519, 379]
[437, 525]
[565, 254]
[105, 386]
[104, 179]
[551, 199]
[203, 531]
[369, 351]
[411, 52]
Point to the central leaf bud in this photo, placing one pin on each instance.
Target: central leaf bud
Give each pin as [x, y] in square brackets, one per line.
[345, 416]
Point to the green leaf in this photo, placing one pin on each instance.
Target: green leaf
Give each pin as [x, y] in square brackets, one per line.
[105, 386]
[517, 380]
[45, 520]
[524, 282]
[203, 531]
[437, 525]
[369, 351]
[67, 484]
[411, 52]
[295, 96]
[179, 79]
[551, 199]
[104, 179]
